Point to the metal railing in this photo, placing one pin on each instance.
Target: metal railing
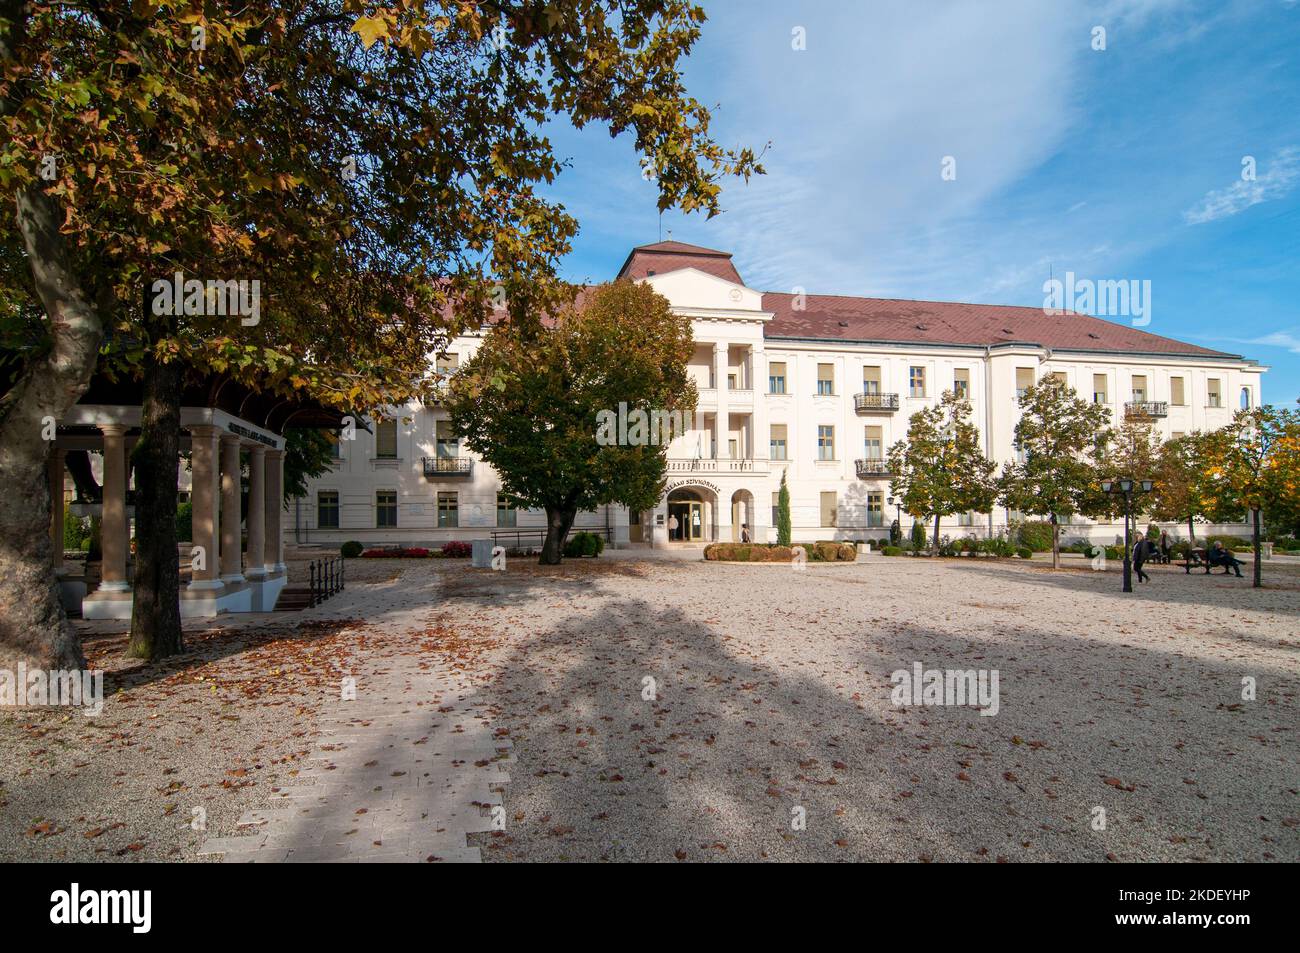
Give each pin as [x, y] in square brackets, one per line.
[448, 466]
[327, 577]
[1147, 408]
[867, 403]
[872, 467]
[517, 537]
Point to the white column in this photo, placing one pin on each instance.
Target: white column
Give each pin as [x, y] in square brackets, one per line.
[256, 513]
[231, 557]
[722, 420]
[203, 495]
[113, 529]
[55, 473]
[273, 507]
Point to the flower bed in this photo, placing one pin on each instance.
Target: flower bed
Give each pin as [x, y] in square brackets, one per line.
[411, 552]
[771, 553]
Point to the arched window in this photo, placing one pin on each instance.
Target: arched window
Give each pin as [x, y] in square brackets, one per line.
[1245, 398]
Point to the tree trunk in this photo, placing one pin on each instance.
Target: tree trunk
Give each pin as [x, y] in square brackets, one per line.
[1259, 566]
[934, 545]
[156, 614]
[33, 626]
[558, 522]
[88, 490]
[1191, 532]
[1056, 544]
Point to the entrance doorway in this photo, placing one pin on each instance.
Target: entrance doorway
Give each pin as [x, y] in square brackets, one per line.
[690, 521]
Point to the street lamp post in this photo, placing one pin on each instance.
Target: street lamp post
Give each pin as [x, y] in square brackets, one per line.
[1126, 488]
[897, 504]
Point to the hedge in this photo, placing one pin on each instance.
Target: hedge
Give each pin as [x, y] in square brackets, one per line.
[584, 544]
[825, 551]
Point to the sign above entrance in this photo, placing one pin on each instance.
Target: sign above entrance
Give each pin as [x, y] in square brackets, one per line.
[679, 484]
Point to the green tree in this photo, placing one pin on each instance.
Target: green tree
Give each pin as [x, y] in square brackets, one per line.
[537, 406]
[376, 166]
[307, 455]
[1130, 451]
[1253, 465]
[783, 528]
[939, 468]
[1061, 437]
[1182, 481]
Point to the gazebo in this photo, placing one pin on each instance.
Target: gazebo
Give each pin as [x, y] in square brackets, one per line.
[220, 419]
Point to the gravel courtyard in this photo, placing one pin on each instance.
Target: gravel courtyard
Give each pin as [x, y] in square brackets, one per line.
[773, 693]
[771, 705]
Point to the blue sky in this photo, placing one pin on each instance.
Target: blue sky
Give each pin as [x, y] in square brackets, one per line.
[1124, 163]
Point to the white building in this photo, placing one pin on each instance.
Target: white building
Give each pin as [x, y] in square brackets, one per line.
[813, 386]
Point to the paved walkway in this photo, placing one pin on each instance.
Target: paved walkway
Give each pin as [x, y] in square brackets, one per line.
[401, 773]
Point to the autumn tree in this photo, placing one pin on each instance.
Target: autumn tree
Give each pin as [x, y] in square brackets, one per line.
[537, 406]
[939, 468]
[376, 168]
[1253, 465]
[1061, 437]
[1182, 481]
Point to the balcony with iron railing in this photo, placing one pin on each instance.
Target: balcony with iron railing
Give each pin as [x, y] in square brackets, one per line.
[711, 465]
[875, 403]
[873, 468]
[443, 468]
[1146, 408]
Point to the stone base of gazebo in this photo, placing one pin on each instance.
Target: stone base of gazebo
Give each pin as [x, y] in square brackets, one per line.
[251, 595]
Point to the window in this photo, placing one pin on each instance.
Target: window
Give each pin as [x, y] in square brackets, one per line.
[776, 377]
[506, 511]
[1245, 398]
[386, 439]
[830, 508]
[1099, 389]
[446, 365]
[731, 382]
[777, 443]
[825, 442]
[733, 449]
[336, 447]
[871, 448]
[1177, 396]
[825, 379]
[961, 383]
[448, 508]
[966, 519]
[1177, 434]
[776, 506]
[916, 381]
[1061, 376]
[875, 509]
[446, 443]
[1213, 395]
[1024, 380]
[385, 508]
[327, 509]
[871, 380]
[1139, 388]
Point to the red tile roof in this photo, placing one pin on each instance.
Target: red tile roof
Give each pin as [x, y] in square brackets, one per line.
[663, 257]
[838, 318]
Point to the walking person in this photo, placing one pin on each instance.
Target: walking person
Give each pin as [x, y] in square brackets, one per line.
[1142, 551]
[1164, 546]
[744, 533]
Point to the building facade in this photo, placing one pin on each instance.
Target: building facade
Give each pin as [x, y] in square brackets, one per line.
[814, 387]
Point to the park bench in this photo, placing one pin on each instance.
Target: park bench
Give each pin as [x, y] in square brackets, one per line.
[1196, 558]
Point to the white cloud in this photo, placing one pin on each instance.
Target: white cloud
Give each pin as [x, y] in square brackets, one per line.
[1275, 180]
[1286, 339]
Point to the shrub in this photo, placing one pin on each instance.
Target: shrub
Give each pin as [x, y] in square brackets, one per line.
[1024, 552]
[892, 551]
[998, 546]
[185, 522]
[584, 544]
[918, 535]
[1035, 535]
[1180, 549]
[76, 531]
[351, 549]
[1235, 543]
[456, 549]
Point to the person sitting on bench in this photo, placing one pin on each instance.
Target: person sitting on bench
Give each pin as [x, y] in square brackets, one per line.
[1220, 556]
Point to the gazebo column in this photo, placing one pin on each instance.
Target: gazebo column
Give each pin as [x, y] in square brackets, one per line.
[203, 496]
[256, 558]
[273, 509]
[231, 557]
[55, 471]
[113, 531]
